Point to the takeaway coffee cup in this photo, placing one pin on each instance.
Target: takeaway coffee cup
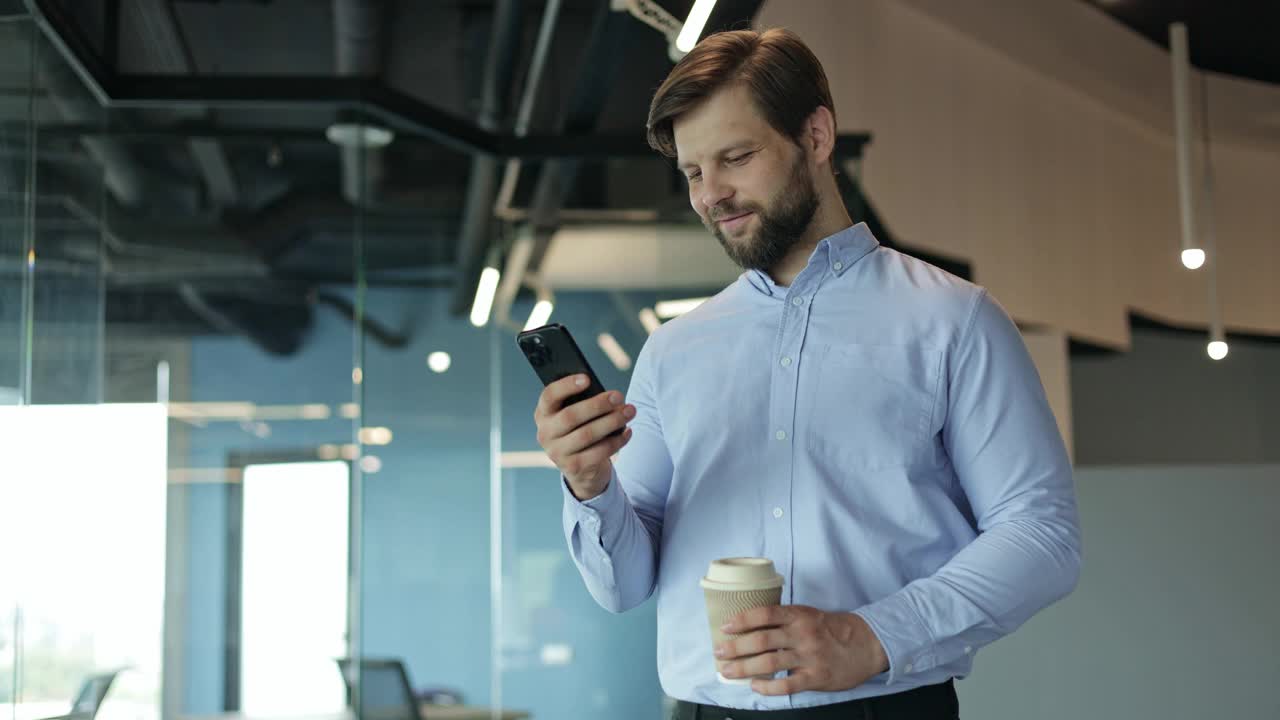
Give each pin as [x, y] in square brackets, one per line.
[732, 586]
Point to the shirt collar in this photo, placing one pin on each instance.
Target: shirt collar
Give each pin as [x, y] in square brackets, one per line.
[839, 251]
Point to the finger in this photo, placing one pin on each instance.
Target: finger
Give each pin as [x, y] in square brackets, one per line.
[574, 416]
[621, 441]
[789, 685]
[605, 449]
[553, 395]
[755, 643]
[757, 617]
[590, 433]
[763, 664]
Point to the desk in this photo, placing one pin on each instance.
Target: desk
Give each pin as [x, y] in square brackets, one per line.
[466, 712]
[427, 711]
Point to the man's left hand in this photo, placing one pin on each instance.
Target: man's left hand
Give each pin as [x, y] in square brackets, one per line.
[823, 651]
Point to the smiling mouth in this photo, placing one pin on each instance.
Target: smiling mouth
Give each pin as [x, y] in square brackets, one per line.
[723, 221]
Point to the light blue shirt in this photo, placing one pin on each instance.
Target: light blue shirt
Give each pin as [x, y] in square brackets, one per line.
[877, 430]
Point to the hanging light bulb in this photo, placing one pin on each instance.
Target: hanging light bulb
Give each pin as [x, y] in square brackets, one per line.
[1217, 347]
[1192, 255]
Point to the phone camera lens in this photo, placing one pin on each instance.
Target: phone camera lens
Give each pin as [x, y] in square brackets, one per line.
[537, 354]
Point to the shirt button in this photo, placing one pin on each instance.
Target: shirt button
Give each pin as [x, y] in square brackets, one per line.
[797, 301]
[907, 668]
[781, 434]
[838, 265]
[967, 649]
[786, 362]
[777, 512]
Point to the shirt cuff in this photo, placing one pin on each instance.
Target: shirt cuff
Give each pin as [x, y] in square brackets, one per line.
[602, 515]
[905, 638]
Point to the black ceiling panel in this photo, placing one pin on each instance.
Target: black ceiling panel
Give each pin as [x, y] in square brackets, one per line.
[1234, 37]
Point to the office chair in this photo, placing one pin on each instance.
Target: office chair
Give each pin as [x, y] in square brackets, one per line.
[90, 696]
[92, 691]
[385, 691]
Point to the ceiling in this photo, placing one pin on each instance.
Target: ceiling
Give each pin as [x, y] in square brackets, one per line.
[225, 204]
[1232, 38]
[227, 210]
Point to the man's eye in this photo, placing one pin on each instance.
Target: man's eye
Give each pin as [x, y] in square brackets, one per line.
[694, 177]
[739, 159]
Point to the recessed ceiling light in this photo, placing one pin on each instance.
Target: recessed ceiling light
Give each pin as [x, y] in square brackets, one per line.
[439, 361]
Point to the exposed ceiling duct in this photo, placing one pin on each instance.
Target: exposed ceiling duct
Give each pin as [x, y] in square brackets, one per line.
[358, 36]
[166, 50]
[122, 175]
[482, 187]
[289, 232]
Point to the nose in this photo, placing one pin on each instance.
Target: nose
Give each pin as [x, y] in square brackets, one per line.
[713, 192]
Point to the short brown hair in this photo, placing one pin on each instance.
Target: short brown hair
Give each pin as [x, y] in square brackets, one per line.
[782, 74]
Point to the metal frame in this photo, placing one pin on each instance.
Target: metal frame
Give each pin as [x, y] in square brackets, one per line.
[373, 99]
[237, 461]
[117, 90]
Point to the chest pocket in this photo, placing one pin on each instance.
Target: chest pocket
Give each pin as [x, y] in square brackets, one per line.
[870, 406]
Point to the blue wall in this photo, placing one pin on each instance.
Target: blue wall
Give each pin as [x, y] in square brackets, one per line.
[425, 589]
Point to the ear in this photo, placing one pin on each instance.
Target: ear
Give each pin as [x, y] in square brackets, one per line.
[820, 135]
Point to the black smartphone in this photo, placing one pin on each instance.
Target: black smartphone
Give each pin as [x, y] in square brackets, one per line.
[552, 352]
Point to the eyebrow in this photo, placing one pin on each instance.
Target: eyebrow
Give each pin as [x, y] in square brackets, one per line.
[721, 153]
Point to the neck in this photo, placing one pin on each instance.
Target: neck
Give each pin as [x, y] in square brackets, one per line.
[830, 218]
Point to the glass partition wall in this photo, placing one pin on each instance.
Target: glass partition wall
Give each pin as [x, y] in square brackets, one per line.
[16, 97]
[267, 465]
[181, 345]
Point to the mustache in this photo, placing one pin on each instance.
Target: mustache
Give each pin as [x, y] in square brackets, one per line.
[722, 212]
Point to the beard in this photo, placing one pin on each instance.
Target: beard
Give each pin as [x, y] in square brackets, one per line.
[781, 225]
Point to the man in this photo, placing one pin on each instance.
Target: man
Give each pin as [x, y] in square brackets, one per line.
[871, 424]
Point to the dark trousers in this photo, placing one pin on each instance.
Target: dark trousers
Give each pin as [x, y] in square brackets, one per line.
[931, 702]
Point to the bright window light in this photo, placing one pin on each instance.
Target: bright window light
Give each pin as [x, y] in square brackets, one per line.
[484, 296]
[84, 493]
[692, 29]
[293, 600]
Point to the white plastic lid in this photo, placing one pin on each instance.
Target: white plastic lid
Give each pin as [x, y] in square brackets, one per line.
[742, 573]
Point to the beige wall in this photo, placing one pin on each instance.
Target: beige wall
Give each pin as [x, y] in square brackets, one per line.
[1050, 353]
[1063, 199]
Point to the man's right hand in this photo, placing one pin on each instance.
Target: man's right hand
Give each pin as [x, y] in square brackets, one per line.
[576, 437]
